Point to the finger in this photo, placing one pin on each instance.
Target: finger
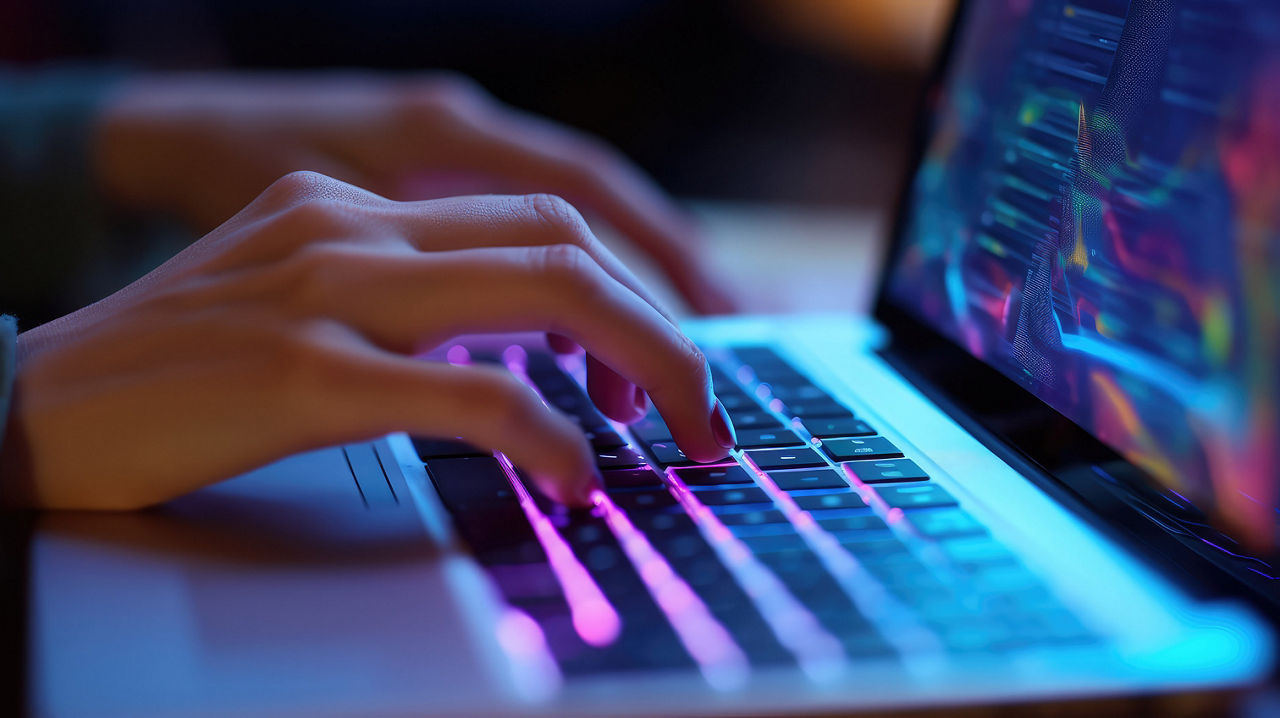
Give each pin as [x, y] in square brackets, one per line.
[507, 221]
[372, 393]
[561, 344]
[618, 398]
[545, 157]
[405, 303]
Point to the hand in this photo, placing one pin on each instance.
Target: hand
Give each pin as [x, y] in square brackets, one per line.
[202, 146]
[293, 326]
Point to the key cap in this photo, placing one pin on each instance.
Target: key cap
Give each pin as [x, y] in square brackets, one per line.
[817, 408]
[945, 523]
[753, 518]
[915, 496]
[872, 447]
[853, 523]
[668, 454]
[725, 497]
[757, 354]
[627, 479]
[824, 428]
[819, 478]
[842, 500]
[755, 419]
[797, 392]
[774, 544]
[655, 524]
[700, 476]
[623, 457]
[650, 429]
[737, 401]
[471, 484]
[762, 438]
[879, 472]
[769, 459]
[433, 448]
[602, 439]
[972, 552]
[643, 500]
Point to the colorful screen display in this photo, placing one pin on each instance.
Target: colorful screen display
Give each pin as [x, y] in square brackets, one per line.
[1097, 215]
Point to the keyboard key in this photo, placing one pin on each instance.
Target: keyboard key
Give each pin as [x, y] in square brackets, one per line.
[879, 472]
[821, 478]
[737, 401]
[639, 478]
[763, 438]
[972, 552]
[853, 523]
[643, 500]
[797, 392]
[769, 459]
[668, 454]
[431, 448]
[775, 544]
[753, 518]
[945, 523]
[817, 408]
[623, 457]
[471, 484]
[828, 427]
[602, 439]
[872, 447]
[726, 497]
[755, 419]
[650, 429]
[915, 496]
[654, 525]
[695, 477]
[842, 500]
[757, 355]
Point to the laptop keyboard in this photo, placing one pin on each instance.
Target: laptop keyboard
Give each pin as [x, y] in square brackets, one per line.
[818, 542]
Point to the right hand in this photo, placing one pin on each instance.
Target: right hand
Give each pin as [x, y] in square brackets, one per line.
[293, 326]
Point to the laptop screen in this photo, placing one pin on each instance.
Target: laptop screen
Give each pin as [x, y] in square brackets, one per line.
[1097, 216]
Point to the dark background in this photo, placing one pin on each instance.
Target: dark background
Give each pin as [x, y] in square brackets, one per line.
[804, 101]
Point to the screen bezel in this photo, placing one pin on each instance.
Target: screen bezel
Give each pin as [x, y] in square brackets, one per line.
[1058, 454]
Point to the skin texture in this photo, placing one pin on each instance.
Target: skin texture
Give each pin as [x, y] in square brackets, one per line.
[202, 146]
[294, 325]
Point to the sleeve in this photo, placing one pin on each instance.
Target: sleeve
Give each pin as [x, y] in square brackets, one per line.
[8, 367]
[52, 216]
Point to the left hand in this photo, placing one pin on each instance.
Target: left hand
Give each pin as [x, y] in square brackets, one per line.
[203, 146]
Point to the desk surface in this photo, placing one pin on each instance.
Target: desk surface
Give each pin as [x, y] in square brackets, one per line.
[783, 259]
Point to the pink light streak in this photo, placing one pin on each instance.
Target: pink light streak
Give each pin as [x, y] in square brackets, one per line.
[535, 673]
[594, 618]
[721, 661]
[817, 651]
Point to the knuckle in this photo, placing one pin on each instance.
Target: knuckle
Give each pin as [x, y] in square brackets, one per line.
[301, 184]
[559, 216]
[318, 270]
[455, 87]
[569, 268]
[304, 358]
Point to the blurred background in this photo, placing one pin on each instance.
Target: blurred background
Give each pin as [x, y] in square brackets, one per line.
[802, 101]
[779, 118]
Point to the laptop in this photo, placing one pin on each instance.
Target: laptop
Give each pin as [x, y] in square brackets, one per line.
[1020, 481]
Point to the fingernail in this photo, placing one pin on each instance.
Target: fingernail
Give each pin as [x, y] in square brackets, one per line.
[641, 401]
[593, 484]
[722, 428]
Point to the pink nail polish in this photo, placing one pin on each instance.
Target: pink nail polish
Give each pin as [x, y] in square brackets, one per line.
[722, 427]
